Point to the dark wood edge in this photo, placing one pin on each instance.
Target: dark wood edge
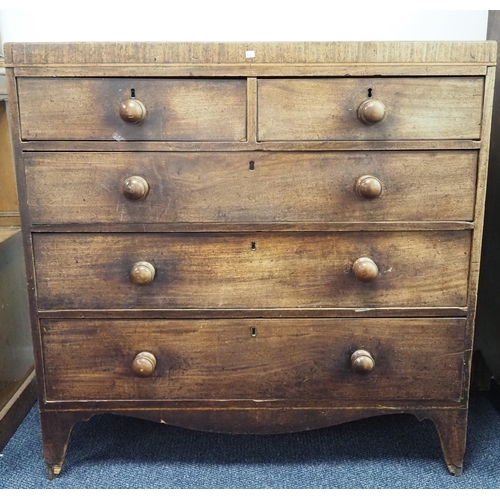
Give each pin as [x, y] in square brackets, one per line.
[367, 312]
[214, 227]
[15, 131]
[249, 146]
[206, 405]
[477, 234]
[281, 420]
[451, 424]
[269, 70]
[16, 409]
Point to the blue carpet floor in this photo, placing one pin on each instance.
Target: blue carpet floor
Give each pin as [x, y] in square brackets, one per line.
[394, 451]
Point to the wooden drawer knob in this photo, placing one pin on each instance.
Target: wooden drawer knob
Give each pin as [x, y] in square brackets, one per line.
[365, 269]
[135, 188]
[362, 361]
[368, 187]
[142, 273]
[132, 111]
[144, 364]
[371, 111]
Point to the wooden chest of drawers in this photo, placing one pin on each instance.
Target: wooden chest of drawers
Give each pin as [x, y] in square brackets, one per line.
[252, 237]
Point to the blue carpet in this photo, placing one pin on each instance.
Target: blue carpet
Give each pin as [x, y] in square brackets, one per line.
[393, 451]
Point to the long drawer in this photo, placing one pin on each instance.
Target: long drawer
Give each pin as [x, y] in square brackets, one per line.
[250, 187]
[327, 108]
[175, 109]
[251, 270]
[254, 359]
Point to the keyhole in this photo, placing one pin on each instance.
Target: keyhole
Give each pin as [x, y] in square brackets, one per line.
[253, 246]
[253, 331]
[370, 92]
[132, 93]
[251, 166]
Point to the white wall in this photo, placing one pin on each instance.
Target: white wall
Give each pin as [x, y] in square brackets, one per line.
[244, 20]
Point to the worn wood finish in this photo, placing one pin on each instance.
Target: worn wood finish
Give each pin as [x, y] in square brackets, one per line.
[222, 257]
[57, 425]
[303, 312]
[284, 359]
[196, 227]
[56, 430]
[177, 110]
[249, 70]
[488, 317]
[475, 261]
[250, 187]
[297, 53]
[250, 145]
[14, 126]
[451, 425]
[327, 109]
[218, 270]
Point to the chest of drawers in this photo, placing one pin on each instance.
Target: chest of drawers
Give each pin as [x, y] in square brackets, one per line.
[252, 238]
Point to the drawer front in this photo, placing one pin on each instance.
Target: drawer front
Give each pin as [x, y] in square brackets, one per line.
[327, 109]
[250, 187]
[89, 109]
[284, 359]
[254, 270]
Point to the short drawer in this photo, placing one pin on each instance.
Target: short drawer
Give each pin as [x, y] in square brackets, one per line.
[305, 109]
[250, 187]
[252, 270]
[174, 109]
[254, 359]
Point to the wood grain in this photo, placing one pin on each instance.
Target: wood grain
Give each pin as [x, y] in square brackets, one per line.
[88, 109]
[297, 146]
[254, 187]
[487, 329]
[303, 53]
[197, 227]
[323, 312]
[237, 70]
[269, 247]
[217, 270]
[326, 109]
[217, 359]
[9, 208]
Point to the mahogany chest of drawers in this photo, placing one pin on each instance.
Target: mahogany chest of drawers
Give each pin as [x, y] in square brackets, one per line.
[252, 238]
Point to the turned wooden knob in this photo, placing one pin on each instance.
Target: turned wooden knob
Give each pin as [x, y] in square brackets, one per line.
[371, 111]
[362, 361]
[142, 273]
[132, 111]
[144, 364]
[365, 269]
[368, 187]
[135, 188]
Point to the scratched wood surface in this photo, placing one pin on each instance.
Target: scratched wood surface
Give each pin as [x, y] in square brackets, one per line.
[217, 359]
[302, 53]
[217, 270]
[423, 232]
[250, 187]
[326, 109]
[88, 109]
